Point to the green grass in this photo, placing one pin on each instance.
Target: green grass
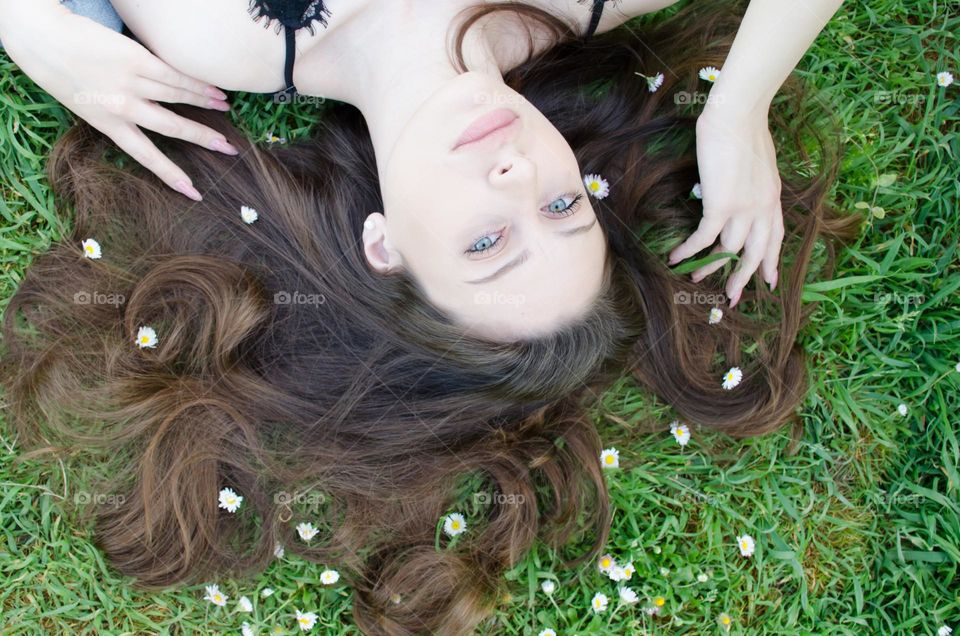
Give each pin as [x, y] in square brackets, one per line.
[857, 525]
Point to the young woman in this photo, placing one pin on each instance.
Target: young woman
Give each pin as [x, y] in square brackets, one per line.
[286, 356]
[492, 218]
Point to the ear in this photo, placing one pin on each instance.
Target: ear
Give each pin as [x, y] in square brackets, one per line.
[380, 255]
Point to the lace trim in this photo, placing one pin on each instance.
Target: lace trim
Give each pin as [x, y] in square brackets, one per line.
[294, 14]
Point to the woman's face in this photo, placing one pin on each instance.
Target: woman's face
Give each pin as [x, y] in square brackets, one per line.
[485, 206]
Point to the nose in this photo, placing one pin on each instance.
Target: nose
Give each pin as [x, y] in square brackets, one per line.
[512, 170]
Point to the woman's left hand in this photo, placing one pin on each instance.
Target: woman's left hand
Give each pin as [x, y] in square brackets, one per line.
[740, 184]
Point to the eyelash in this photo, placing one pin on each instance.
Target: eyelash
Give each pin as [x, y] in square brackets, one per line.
[570, 209]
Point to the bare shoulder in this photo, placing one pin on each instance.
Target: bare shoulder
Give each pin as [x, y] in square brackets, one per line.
[615, 12]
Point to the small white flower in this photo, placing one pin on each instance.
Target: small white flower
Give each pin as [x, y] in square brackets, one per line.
[548, 587]
[273, 139]
[716, 315]
[628, 596]
[606, 564]
[746, 544]
[91, 249]
[655, 82]
[957, 367]
[244, 605]
[307, 530]
[454, 524]
[697, 191]
[680, 432]
[395, 599]
[597, 186]
[215, 596]
[278, 551]
[266, 592]
[246, 630]
[732, 378]
[710, 73]
[229, 500]
[628, 571]
[599, 602]
[329, 577]
[306, 620]
[664, 572]
[725, 621]
[902, 410]
[610, 458]
[944, 78]
[617, 574]
[146, 337]
[702, 578]
[656, 549]
[248, 214]
[547, 632]
[944, 630]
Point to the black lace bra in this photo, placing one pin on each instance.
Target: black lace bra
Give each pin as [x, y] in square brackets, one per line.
[293, 15]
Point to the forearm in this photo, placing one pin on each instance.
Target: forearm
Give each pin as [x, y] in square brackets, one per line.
[25, 17]
[771, 40]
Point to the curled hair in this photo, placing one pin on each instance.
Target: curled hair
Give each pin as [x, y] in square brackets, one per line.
[284, 365]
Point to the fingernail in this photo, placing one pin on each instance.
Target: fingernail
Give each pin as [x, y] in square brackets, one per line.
[734, 300]
[218, 104]
[221, 145]
[776, 278]
[214, 92]
[188, 190]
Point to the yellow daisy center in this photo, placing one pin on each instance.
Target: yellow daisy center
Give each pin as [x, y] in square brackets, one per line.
[725, 620]
[605, 563]
[455, 524]
[659, 601]
[609, 459]
[594, 185]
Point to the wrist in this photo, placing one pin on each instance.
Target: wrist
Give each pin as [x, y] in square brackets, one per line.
[735, 107]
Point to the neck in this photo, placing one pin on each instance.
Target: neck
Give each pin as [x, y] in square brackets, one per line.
[407, 58]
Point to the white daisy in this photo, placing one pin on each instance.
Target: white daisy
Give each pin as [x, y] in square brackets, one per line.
[902, 410]
[664, 572]
[248, 214]
[746, 544]
[246, 630]
[91, 249]
[306, 620]
[597, 186]
[716, 315]
[548, 587]
[329, 577]
[732, 378]
[702, 578]
[697, 191]
[628, 596]
[306, 530]
[547, 632]
[606, 564]
[146, 337]
[266, 592]
[680, 432]
[610, 458]
[454, 524]
[628, 571]
[710, 73]
[944, 630]
[599, 602]
[229, 500]
[215, 596]
[617, 574]
[725, 620]
[944, 78]
[655, 82]
[244, 605]
[278, 551]
[658, 603]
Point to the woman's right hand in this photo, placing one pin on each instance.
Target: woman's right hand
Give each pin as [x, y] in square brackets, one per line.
[110, 81]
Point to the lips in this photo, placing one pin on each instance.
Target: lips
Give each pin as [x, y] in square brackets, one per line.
[485, 126]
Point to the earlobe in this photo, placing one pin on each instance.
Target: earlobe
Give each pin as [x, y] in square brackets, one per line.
[380, 256]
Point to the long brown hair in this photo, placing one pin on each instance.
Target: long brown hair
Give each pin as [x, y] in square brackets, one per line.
[285, 366]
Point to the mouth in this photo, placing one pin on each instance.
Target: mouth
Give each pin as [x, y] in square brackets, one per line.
[497, 125]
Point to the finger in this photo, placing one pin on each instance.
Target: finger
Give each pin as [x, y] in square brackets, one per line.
[131, 140]
[160, 120]
[156, 69]
[158, 92]
[771, 260]
[753, 252]
[701, 273]
[704, 236]
[732, 238]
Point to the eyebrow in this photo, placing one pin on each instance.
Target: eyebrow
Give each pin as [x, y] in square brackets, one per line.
[525, 254]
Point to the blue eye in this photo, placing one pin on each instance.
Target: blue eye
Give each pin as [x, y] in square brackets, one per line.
[565, 205]
[483, 244]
